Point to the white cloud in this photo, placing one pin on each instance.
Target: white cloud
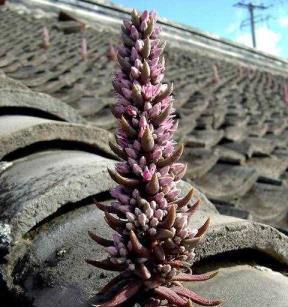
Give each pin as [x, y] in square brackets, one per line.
[234, 26]
[267, 40]
[283, 21]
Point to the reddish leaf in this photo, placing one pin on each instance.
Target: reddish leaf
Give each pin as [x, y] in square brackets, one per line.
[194, 277]
[111, 283]
[99, 240]
[185, 200]
[203, 228]
[137, 247]
[170, 296]
[195, 297]
[194, 208]
[124, 294]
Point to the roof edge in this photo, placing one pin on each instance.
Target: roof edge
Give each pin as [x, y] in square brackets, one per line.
[192, 36]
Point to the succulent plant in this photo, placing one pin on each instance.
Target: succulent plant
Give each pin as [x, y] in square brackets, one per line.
[152, 247]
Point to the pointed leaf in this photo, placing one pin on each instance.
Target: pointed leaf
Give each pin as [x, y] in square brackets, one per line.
[194, 277]
[193, 209]
[202, 230]
[127, 182]
[124, 294]
[195, 297]
[169, 220]
[99, 240]
[173, 158]
[117, 150]
[185, 200]
[112, 283]
[137, 247]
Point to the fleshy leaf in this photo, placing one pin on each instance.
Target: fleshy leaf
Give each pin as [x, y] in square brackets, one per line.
[170, 295]
[195, 297]
[194, 277]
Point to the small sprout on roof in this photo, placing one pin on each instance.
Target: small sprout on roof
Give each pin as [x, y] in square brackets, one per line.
[111, 53]
[216, 78]
[84, 48]
[46, 38]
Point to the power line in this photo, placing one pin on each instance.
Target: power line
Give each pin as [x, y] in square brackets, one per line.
[253, 19]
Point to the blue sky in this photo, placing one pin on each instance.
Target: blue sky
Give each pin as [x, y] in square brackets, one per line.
[221, 18]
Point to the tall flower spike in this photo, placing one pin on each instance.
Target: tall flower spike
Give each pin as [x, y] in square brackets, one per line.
[153, 244]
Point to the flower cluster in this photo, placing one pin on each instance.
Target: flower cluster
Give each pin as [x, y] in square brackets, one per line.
[152, 247]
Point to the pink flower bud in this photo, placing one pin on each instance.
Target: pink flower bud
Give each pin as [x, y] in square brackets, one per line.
[159, 197]
[137, 145]
[142, 122]
[154, 222]
[163, 203]
[157, 153]
[142, 161]
[145, 15]
[135, 73]
[122, 168]
[147, 175]
[159, 78]
[164, 170]
[129, 226]
[149, 213]
[183, 233]
[123, 252]
[147, 106]
[131, 153]
[142, 218]
[192, 233]
[127, 23]
[165, 180]
[135, 193]
[130, 110]
[139, 45]
[143, 25]
[138, 64]
[159, 214]
[116, 238]
[181, 222]
[112, 250]
[134, 33]
[134, 55]
[137, 169]
[153, 204]
[130, 216]
[127, 93]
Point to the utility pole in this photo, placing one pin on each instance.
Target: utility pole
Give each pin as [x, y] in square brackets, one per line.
[251, 8]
